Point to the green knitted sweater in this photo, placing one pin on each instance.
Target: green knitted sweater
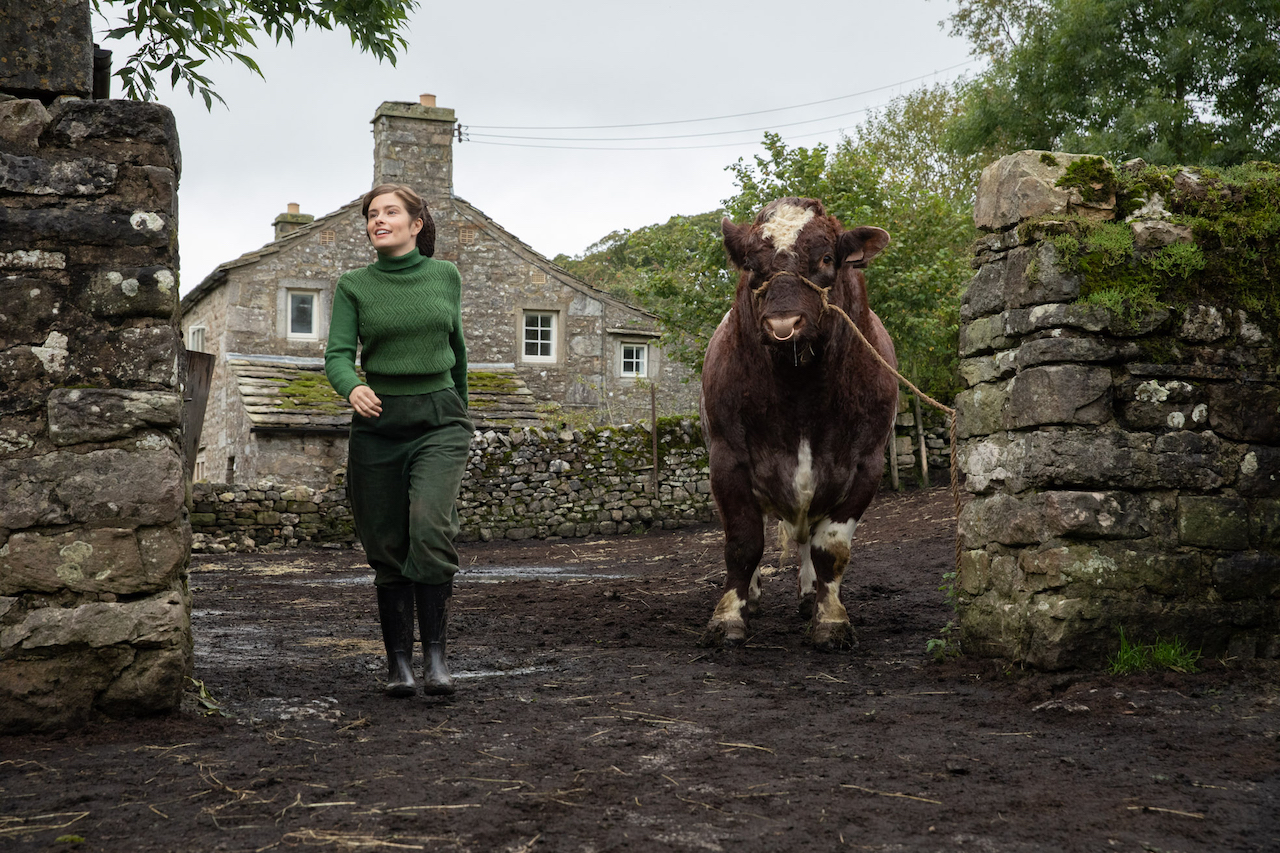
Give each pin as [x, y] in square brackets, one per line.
[406, 315]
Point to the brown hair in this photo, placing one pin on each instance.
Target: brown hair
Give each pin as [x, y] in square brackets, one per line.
[414, 206]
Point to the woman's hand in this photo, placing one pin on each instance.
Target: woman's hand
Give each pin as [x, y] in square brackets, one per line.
[365, 402]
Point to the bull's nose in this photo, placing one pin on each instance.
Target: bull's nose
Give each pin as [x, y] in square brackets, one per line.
[783, 328]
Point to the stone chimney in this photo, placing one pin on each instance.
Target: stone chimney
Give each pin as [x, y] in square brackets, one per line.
[48, 49]
[413, 145]
[291, 220]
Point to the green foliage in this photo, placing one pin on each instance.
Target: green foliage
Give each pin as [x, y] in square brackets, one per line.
[178, 36]
[204, 699]
[677, 270]
[1166, 80]
[946, 645]
[907, 138]
[1134, 657]
[1178, 261]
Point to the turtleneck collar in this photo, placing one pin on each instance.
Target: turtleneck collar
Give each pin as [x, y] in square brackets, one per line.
[400, 264]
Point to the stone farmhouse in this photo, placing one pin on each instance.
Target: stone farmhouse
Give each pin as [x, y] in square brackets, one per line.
[539, 340]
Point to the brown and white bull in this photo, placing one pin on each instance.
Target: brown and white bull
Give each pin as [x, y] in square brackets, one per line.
[795, 408]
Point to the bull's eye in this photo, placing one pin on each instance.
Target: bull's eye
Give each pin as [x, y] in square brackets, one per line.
[827, 260]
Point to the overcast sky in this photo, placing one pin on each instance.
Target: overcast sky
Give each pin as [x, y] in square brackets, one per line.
[303, 134]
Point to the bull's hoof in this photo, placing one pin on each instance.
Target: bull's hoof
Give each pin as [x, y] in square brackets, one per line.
[720, 634]
[807, 603]
[753, 607]
[833, 636]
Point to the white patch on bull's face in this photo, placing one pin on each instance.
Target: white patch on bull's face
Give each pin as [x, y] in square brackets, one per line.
[783, 227]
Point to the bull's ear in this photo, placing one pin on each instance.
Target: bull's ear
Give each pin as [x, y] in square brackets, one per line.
[738, 242]
[858, 246]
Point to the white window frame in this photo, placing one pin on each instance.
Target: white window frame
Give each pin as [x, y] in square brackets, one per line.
[551, 340]
[314, 334]
[643, 346]
[195, 339]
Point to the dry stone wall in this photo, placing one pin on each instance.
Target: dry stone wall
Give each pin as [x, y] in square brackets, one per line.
[94, 607]
[522, 484]
[1124, 470]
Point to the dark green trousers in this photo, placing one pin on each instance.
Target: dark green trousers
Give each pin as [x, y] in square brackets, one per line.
[403, 474]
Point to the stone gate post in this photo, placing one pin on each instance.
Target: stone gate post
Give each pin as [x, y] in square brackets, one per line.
[94, 539]
[1124, 471]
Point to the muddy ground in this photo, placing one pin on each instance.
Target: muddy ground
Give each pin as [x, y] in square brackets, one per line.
[588, 718]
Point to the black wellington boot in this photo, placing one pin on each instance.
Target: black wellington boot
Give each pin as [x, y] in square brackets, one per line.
[395, 611]
[433, 621]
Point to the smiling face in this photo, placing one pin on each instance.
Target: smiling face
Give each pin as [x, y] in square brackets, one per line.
[391, 230]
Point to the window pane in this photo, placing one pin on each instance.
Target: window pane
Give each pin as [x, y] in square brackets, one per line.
[633, 359]
[300, 305]
[538, 335]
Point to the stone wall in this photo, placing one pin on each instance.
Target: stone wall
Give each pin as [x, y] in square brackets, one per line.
[1124, 466]
[526, 483]
[94, 608]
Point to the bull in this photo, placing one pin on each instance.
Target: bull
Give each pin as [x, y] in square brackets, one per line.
[796, 409]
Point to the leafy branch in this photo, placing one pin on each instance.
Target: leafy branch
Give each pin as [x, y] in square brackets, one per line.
[176, 37]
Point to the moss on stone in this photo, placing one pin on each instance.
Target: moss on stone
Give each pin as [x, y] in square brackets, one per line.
[311, 392]
[1094, 177]
[1233, 214]
[492, 383]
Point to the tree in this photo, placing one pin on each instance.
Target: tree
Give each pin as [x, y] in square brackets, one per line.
[676, 270]
[178, 36]
[908, 138]
[1171, 81]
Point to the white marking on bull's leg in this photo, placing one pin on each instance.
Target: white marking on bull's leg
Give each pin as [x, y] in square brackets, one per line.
[753, 593]
[729, 607]
[831, 627]
[835, 537]
[830, 620]
[784, 225]
[807, 574]
[727, 623]
[805, 581]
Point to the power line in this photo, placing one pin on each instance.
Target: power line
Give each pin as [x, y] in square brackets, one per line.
[742, 144]
[675, 136]
[719, 118]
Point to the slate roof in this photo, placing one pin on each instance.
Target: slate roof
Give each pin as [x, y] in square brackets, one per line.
[291, 394]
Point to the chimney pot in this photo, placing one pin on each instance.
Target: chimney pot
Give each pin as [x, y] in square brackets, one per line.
[294, 208]
[427, 100]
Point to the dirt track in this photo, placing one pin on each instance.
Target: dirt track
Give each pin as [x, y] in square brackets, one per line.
[588, 719]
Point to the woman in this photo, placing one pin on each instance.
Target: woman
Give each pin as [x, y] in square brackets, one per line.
[410, 433]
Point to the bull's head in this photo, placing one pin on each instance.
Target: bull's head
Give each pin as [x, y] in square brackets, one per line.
[793, 258]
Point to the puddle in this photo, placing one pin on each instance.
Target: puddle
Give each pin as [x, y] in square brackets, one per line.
[495, 574]
[354, 580]
[472, 674]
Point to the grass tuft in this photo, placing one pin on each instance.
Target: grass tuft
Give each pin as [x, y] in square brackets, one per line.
[1162, 654]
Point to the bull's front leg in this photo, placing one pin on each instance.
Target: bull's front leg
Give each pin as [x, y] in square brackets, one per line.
[829, 550]
[743, 548]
